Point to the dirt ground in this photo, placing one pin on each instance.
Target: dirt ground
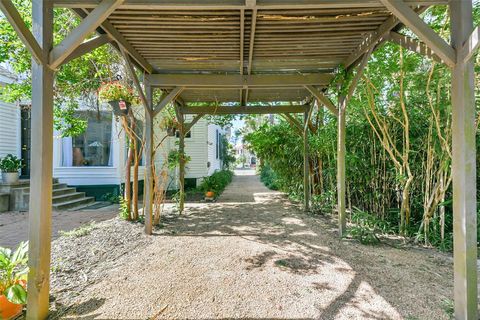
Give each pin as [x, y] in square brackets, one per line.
[251, 255]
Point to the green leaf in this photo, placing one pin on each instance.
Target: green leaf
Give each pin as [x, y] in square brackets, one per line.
[16, 294]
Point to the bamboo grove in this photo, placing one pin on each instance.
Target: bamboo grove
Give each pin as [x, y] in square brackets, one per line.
[399, 151]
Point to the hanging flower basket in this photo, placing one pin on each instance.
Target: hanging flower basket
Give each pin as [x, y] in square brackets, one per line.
[119, 96]
[120, 107]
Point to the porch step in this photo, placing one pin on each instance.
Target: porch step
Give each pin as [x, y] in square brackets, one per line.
[73, 204]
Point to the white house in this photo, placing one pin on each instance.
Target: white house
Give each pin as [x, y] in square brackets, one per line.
[94, 162]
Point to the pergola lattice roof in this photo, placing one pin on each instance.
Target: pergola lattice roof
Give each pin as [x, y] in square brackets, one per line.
[246, 38]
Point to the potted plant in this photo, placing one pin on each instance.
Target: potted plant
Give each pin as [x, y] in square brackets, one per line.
[13, 277]
[209, 185]
[9, 165]
[169, 122]
[119, 96]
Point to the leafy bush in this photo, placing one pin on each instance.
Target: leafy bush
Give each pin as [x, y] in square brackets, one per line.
[13, 273]
[124, 211]
[217, 182]
[10, 163]
[268, 177]
[367, 227]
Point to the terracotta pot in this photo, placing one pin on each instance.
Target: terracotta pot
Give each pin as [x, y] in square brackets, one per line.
[120, 107]
[209, 194]
[9, 310]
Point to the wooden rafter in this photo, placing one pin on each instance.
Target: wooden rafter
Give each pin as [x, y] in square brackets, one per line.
[219, 110]
[239, 4]
[411, 19]
[413, 45]
[234, 80]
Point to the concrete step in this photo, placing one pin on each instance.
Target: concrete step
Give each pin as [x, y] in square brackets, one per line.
[72, 204]
[60, 191]
[67, 197]
[55, 186]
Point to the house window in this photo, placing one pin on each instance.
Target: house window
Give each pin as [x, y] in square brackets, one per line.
[94, 146]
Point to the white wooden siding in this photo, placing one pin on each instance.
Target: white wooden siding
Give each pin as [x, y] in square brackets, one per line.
[9, 129]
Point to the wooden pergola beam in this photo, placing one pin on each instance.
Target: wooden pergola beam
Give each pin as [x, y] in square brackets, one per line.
[171, 96]
[189, 126]
[88, 46]
[322, 98]
[219, 110]
[413, 45]
[253, 25]
[411, 19]
[240, 81]
[87, 26]
[471, 46]
[131, 71]
[243, 4]
[25, 35]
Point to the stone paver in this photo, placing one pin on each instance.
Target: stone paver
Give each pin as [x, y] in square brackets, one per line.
[14, 225]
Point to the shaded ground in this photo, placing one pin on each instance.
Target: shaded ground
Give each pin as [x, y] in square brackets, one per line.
[260, 258]
[14, 225]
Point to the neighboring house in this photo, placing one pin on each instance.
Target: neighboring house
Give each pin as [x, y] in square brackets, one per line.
[94, 161]
[244, 155]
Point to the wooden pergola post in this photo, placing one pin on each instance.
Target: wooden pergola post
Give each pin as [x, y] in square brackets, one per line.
[464, 166]
[149, 166]
[306, 160]
[40, 216]
[341, 150]
[181, 164]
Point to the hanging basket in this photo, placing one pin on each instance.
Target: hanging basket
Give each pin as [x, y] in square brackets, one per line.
[120, 107]
[171, 131]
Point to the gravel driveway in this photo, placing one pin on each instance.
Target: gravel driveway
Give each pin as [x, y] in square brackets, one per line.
[259, 257]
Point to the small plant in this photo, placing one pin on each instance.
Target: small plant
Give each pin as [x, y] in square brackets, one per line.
[13, 273]
[217, 182]
[448, 307]
[116, 91]
[169, 120]
[112, 198]
[124, 211]
[80, 231]
[367, 227]
[10, 163]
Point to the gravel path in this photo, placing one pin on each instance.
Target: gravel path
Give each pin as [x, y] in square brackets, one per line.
[251, 255]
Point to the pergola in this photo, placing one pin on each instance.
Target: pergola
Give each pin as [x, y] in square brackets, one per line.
[236, 57]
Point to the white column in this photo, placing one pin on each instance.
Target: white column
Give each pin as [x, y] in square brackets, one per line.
[464, 167]
[40, 215]
[341, 150]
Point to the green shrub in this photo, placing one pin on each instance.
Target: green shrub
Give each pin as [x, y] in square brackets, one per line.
[268, 177]
[217, 182]
[368, 227]
[10, 163]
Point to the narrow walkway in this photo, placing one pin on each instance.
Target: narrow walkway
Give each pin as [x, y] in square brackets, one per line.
[14, 225]
[244, 259]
